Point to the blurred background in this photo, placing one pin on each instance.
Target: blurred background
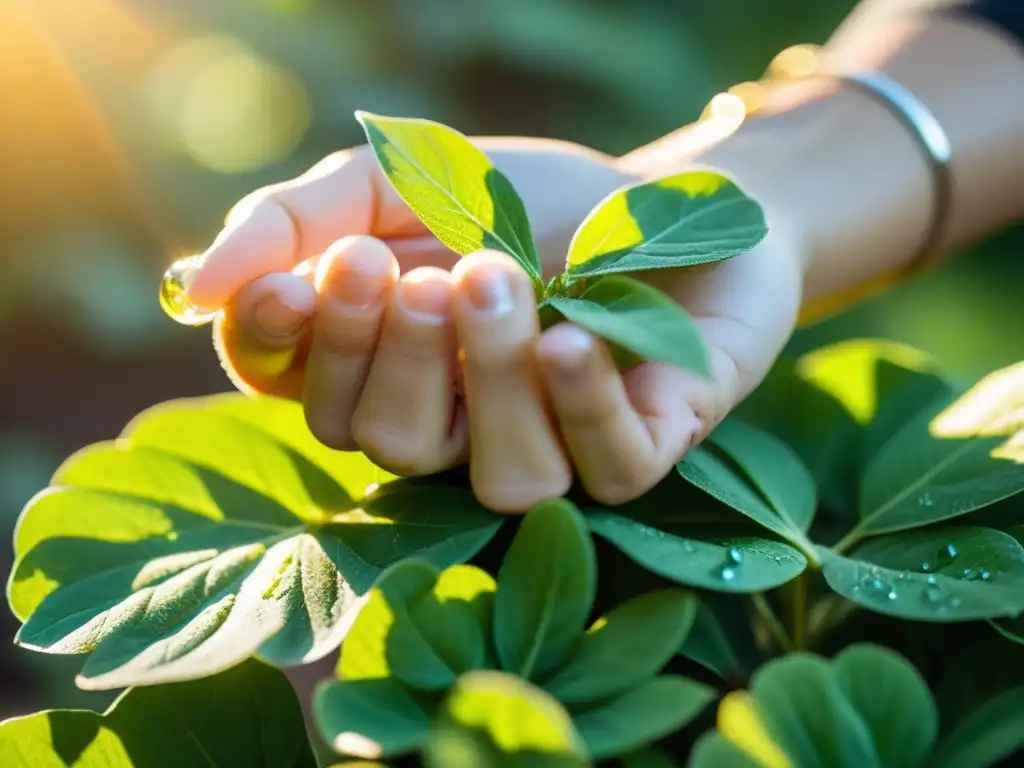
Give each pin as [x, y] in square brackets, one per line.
[129, 127]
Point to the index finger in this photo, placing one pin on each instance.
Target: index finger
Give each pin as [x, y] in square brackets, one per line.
[277, 227]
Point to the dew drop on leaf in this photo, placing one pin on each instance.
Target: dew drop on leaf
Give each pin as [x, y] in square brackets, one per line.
[734, 556]
[727, 573]
[926, 500]
[173, 293]
[878, 588]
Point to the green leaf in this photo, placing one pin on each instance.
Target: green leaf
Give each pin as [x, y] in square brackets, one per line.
[370, 718]
[679, 221]
[493, 718]
[919, 478]
[708, 644]
[444, 632]
[989, 734]
[243, 717]
[894, 702]
[452, 187]
[807, 714]
[713, 750]
[648, 757]
[758, 476]
[640, 319]
[199, 539]
[723, 559]
[546, 588]
[629, 645]
[954, 574]
[643, 715]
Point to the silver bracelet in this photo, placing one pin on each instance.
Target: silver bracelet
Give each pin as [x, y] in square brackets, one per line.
[930, 136]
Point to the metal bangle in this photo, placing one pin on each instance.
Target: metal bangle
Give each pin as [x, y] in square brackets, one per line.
[930, 136]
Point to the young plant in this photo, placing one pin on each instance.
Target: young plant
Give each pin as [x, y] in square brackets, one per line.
[680, 221]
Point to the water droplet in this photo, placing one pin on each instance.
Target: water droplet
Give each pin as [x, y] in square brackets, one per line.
[933, 592]
[926, 500]
[777, 559]
[876, 587]
[727, 573]
[734, 556]
[976, 575]
[944, 557]
[927, 567]
[932, 580]
[173, 288]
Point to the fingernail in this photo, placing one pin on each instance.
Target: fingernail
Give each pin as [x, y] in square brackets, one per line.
[277, 317]
[567, 347]
[426, 293]
[361, 281]
[490, 289]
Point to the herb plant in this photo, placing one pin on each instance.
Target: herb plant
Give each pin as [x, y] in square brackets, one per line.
[834, 578]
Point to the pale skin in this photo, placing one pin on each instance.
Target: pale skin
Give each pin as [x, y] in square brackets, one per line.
[334, 294]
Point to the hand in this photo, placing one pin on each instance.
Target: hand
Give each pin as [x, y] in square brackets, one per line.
[367, 330]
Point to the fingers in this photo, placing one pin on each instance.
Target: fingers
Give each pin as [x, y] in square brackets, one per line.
[353, 280]
[406, 419]
[275, 228]
[619, 451]
[262, 334]
[516, 459]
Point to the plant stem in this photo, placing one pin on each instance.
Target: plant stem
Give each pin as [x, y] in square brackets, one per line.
[846, 542]
[775, 626]
[800, 612]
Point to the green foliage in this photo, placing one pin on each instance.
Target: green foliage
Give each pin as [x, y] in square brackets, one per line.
[684, 220]
[211, 721]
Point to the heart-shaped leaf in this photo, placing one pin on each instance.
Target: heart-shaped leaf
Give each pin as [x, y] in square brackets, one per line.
[989, 734]
[202, 722]
[493, 718]
[919, 477]
[629, 645]
[371, 718]
[199, 539]
[546, 588]
[641, 321]
[954, 574]
[757, 475]
[719, 558]
[452, 187]
[642, 715]
[679, 221]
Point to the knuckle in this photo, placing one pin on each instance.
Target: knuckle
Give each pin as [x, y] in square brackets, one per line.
[344, 334]
[330, 431]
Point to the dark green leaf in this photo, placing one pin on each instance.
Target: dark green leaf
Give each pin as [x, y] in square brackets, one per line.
[632, 643]
[452, 187]
[243, 717]
[955, 574]
[640, 319]
[919, 477]
[546, 588]
[679, 221]
[721, 559]
[708, 644]
[370, 718]
[713, 750]
[497, 719]
[987, 735]
[894, 702]
[807, 714]
[199, 539]
[649, 757]
[642, 715]
[444, 632]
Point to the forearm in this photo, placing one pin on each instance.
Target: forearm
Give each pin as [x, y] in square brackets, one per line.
[834, 166]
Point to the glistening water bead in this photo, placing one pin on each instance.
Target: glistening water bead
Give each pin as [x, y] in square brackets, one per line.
[174, 293]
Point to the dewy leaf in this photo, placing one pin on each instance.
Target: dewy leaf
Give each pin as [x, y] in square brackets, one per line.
[370, 719]
[638, 318]
[452, 187]
[243, 717]
[954, 574]
[679, 221]
[199, 539]
[642, 715]
[919, 478]
[546, 588]
[719, 558]
[493, 718]
[626, 647]
[894, 702]
[991, 733]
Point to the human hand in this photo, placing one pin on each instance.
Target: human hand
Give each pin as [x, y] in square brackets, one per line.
[371, 345]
